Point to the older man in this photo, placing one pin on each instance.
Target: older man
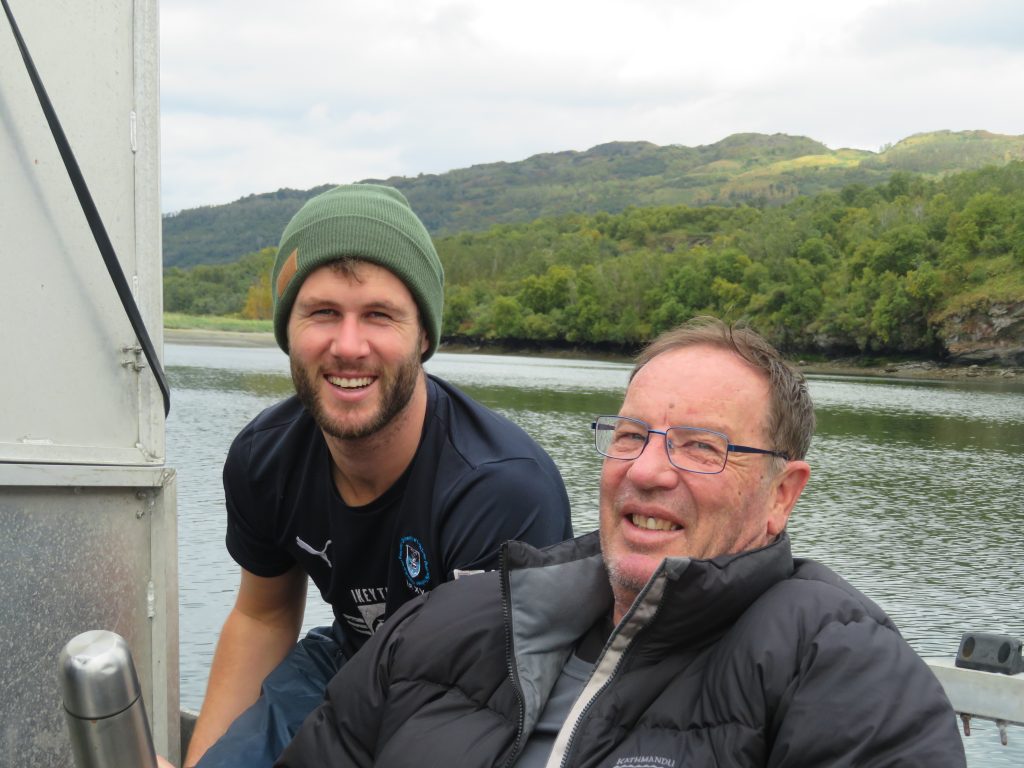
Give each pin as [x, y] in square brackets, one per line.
[683, 634]
[375, 480]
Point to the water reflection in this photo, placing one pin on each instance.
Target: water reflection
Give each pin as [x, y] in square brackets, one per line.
[916, 495]
[273, 385]
[982, 401]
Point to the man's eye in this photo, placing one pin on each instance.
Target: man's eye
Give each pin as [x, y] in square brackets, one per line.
[699, 446]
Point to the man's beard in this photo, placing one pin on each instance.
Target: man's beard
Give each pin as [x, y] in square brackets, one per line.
[620, 577]
[395, 392]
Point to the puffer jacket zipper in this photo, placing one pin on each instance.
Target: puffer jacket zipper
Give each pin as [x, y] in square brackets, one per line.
[570, 744]
[513, 674]
[648, 605]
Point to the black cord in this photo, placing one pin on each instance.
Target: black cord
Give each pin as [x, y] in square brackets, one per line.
[92, 215]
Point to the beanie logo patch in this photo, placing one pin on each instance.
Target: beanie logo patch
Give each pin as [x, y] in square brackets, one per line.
[284, 277]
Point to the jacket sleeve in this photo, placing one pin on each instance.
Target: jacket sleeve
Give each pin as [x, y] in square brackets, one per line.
[342, 732]
[862, 697]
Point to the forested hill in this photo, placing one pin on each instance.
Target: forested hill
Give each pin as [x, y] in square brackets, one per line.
[749, 168]
[912, 266]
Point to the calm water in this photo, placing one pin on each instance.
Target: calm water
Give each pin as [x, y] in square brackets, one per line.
[916, 494]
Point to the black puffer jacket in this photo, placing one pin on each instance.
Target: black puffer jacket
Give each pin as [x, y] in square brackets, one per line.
[746, 660]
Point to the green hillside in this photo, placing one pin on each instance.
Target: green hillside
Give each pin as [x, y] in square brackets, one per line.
[944, 152]
[917, 265]
[743, 169]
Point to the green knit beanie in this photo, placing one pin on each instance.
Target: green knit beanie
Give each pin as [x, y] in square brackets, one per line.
[368, 222]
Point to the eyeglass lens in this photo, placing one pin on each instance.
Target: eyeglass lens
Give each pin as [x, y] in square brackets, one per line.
[696, 450]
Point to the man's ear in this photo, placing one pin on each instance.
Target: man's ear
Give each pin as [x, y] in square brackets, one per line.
[784, 491]
[424, 342]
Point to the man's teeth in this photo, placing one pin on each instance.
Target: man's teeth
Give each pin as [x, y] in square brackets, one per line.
[350, 383]
[653, 523]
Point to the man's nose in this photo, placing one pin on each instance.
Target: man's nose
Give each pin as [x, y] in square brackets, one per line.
[652, 469]
[348, 340]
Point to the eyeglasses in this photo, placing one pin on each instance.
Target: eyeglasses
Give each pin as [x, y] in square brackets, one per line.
[688, 448]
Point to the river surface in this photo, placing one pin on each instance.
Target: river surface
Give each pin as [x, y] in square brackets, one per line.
[916, 495]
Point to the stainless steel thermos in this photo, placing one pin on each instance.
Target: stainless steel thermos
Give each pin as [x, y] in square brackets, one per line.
[103, 703]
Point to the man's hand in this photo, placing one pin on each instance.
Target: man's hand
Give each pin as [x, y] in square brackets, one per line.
[163, 762]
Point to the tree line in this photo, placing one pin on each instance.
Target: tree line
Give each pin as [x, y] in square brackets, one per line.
[865, 269]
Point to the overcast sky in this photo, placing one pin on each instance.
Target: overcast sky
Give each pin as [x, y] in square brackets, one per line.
[259, 95]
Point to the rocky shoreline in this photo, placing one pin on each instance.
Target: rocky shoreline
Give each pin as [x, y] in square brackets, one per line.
[912, 370]
[842, 367]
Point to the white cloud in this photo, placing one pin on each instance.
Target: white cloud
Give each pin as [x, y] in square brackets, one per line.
[219, 158]
[260, 95]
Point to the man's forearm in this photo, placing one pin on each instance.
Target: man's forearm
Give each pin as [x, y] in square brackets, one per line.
[247, 651]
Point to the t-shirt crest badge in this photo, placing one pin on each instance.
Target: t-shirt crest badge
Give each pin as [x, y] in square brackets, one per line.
[413, 558]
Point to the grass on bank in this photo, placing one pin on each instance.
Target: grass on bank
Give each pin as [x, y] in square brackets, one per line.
[179, 321]
[812, 362]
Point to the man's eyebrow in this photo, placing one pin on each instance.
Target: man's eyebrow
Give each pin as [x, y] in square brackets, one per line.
[705, 424]
[385, 304]
[309, 301]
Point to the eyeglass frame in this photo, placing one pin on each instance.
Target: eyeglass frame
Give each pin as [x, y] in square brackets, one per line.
[729, 447]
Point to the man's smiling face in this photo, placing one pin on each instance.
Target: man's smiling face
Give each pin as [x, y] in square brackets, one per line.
[355, 344]
[650, 510]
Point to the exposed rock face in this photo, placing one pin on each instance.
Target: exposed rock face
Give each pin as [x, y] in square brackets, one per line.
[987, 334]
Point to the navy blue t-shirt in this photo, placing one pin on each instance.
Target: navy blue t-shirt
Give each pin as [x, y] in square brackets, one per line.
[475, 481]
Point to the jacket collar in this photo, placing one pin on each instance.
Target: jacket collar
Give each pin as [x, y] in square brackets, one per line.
[553, 595]
[696, 596]
[691, 603]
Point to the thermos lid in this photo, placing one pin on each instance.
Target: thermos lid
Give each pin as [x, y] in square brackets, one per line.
[97, 676]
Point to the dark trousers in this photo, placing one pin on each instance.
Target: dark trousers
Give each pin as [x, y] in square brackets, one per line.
[289, 693]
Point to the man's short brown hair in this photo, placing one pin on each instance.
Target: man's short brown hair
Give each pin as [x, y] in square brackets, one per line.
[789, 422]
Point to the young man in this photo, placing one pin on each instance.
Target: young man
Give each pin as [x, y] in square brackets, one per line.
[682, 633]
[375, 480]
